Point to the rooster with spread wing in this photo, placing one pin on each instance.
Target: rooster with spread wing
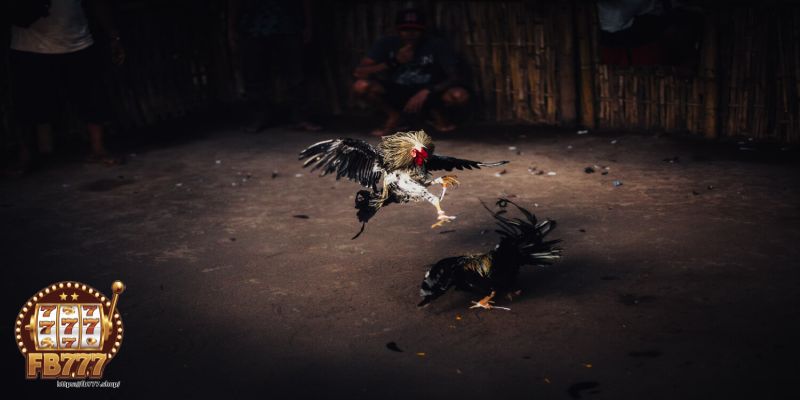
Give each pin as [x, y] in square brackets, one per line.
[522, 242]
[397, 171]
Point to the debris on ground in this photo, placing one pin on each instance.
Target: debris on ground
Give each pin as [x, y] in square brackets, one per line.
[672, 160]
[617, 183]
[710, 187]
[447, 231]
[614, 141]
[551, 173]
[421, 354]
[274, 174]
[393, 347]
[298, 175]
[512, 148]
[498, 174]
[218, 162]
[589, 170]
[301, 216]
[583, 131]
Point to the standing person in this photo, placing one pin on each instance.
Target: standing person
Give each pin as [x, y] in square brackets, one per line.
[54, 59]
[269, 39]
[412, 72]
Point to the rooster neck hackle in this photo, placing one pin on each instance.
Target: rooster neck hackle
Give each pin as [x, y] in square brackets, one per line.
[397, 148]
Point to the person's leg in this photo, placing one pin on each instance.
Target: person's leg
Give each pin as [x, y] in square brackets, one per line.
[256, 71]
[34, 96]
[84, 74]
[44, 136]
[380, 96]
[451, 98]
[292, 72]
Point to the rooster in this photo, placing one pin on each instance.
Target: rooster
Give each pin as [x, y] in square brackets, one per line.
[397, 171]
[522, 242]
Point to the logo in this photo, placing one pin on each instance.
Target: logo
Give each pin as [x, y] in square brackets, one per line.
[69, 330]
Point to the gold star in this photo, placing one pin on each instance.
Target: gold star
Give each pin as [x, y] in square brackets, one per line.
[63, 296]
[74, 296]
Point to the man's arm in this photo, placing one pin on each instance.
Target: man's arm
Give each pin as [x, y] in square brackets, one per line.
[102, 11]
[234, 9]
[368, 67]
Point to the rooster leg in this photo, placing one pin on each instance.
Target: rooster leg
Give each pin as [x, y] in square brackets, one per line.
[442, 218]
[485, 302]
[446, 182]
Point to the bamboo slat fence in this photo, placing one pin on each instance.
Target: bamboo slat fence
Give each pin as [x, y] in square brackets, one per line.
[533, 62]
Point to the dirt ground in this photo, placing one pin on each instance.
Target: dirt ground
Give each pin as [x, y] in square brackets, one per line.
[682, 283]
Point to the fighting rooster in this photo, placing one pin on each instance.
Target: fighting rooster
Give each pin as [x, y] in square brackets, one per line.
[522, 242]
[397, 171]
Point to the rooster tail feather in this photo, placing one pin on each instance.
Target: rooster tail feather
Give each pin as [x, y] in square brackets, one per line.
[526, 236]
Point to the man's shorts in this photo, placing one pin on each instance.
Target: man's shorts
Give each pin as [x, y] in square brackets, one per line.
[43, 84]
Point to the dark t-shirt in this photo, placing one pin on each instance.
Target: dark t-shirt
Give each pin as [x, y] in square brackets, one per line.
[265, 18]
[432, 57]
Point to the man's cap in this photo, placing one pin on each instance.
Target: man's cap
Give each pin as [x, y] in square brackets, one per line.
[410, 18]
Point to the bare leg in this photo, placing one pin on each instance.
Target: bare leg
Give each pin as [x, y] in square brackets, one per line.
[452, 97]
[441, 216]
[99, 152]
[44, 136]
[96, 133]
[373, 93]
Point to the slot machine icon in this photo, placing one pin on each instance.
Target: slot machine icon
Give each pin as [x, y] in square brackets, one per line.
[69, 330]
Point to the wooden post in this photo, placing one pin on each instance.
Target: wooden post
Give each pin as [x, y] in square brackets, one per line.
[586, 62]
[708, 73]
[567, 87]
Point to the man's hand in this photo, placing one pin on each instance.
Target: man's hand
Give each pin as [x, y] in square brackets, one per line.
[415, 103]
[233, 41]
[405, 54]
[117, 52]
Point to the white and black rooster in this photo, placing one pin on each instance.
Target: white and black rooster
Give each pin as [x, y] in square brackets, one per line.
[397, 171]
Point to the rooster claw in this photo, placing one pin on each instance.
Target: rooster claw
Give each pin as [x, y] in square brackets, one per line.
[482, 304]
[442, 219]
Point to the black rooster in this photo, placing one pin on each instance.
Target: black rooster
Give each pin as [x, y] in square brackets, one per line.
[522, 242]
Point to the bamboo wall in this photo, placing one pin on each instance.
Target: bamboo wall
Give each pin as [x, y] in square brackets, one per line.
[537, 62]
[532, 62]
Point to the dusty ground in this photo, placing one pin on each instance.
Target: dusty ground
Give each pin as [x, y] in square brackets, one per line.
[681, 283]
